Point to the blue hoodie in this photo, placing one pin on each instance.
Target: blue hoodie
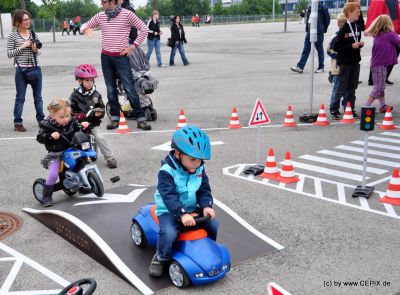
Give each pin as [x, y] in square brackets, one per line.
[179, 192]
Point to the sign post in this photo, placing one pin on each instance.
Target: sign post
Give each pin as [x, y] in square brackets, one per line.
[258, 117]
[367, 123]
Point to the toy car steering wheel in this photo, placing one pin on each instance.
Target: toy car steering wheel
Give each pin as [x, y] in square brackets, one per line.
[76, 289]
[201, 219]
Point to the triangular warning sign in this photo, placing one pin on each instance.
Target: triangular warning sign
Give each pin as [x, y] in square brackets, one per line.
[259, 116]
[274, 289]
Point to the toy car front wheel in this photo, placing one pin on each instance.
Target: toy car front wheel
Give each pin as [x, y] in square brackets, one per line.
[178, 276]
[38, 189]
[137, 235]
[95, 183]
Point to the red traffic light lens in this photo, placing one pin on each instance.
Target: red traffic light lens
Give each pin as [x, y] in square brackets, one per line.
[368, 112]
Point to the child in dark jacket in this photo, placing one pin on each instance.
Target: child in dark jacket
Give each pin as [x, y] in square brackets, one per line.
[59, 119]
[84, 98]
[182, 188]
[348, 47]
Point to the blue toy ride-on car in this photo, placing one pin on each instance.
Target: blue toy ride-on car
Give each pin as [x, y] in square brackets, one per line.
[196, 258]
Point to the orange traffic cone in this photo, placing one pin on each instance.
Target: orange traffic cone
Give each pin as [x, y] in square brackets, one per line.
[270, 170]
[387, 123]
[181, 120]
[348, 115]
[275, 289]
[287, 174]
[392, 195]
[289, 120]
[234, 123]
[322, 120]
[123, 126]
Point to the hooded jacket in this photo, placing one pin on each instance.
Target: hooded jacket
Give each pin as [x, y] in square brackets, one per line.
[179, 192]
[324, 19]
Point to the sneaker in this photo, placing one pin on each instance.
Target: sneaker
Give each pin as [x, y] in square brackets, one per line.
[171, 64]
[19, 128]
[186, 64]
[297, 70]
[143, 125]
[112, 163]
[156, 268]
[355, 115]
[162, 66]
[112, 125]
[334, 116]
[389, 82]
[319, 71]
[384, 108]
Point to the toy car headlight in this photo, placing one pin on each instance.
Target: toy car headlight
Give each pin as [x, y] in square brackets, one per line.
[225, 267]
[85, 145]
[199, 275]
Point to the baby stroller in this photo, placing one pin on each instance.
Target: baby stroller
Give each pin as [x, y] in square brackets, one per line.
[145, 84]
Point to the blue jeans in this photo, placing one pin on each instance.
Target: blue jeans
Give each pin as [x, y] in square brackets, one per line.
[20, 85]
[169, 229]
[319, 45]
[181, 49]
[119, 67]
[155, 43]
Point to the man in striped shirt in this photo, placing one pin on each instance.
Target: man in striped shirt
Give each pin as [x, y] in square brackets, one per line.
[115, 23]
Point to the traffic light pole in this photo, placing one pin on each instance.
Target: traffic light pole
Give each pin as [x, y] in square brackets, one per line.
[364, 175]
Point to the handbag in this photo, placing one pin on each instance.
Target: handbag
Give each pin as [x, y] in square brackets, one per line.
[31, 74]
[170, 43]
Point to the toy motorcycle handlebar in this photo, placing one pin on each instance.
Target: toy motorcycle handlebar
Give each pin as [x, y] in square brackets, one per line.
[71, 143]
[199, 219]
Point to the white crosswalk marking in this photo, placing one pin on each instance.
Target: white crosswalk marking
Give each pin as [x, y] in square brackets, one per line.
[371, 152]
[391, 134]
[342, 164]
[378, 145]
[378, 138]
[327, 171]
[359, 158]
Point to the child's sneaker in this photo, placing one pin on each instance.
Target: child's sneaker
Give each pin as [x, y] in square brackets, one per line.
[156, 268]
[384, 108]
[112, 125]
[112, 163]
[334, 116]
[355, 115]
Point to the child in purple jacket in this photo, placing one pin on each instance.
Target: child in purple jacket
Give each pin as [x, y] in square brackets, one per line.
[383, 55]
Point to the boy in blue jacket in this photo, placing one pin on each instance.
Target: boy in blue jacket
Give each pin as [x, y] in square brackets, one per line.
[182, 188]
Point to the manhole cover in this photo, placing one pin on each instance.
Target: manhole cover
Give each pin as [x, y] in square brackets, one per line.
[9, 223]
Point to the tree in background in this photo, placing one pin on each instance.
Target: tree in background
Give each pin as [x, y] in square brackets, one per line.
[302, 5]
[7, 6]
[190, 7]
[218, 9]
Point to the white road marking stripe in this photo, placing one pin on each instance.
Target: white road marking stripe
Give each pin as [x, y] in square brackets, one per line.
[378, 138]
[318, 188]
[371, 152]
[359, 158]
[364, 203]
[300, 184]
[391, 134]
[378, 145]
[327, 171]
[36, 292]
[111, 255]
[389, 208]
[378, 181]
[56, 278]
[246, 225]
[342, 164]
[341, 193]
[11, 276]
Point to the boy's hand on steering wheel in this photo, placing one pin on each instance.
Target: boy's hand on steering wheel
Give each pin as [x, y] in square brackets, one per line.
[85, 124]
[188, 220]
[209, 211]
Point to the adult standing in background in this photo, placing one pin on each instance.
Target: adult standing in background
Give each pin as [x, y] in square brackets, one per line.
[388, 7]
[323, 22]
[115, 23]
[133, 33]
[153, 38]
[24, 51]
[178, 38]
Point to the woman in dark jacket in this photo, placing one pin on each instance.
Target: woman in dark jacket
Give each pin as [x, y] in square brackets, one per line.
[178, 38]
[153, 38]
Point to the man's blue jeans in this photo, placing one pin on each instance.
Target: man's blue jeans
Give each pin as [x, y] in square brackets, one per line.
[169, 229]
[155, 43]
[319, 45]
[20, 85]
[119, 67]
[181, 49]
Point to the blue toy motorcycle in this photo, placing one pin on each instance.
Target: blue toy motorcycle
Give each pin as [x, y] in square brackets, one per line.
[77, 170]
[196, 258]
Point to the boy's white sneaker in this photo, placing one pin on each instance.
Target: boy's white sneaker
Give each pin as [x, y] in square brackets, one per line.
[297, 70]
[319, 71]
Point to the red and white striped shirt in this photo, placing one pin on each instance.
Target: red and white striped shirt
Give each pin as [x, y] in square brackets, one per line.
[115, 33]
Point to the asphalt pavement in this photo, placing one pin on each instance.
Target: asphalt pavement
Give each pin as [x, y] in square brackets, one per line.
[329, 240]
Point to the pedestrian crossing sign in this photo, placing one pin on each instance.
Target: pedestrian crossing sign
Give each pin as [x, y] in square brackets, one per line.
[259, 116]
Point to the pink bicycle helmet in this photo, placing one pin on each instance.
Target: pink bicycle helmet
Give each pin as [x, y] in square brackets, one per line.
[85, 71]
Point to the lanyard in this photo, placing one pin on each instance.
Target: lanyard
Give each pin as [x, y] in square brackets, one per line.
[355, 36]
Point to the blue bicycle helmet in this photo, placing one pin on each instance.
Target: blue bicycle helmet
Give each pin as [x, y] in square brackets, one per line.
[193, 142]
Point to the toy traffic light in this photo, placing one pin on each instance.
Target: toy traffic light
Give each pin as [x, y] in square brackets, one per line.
[367, 122]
